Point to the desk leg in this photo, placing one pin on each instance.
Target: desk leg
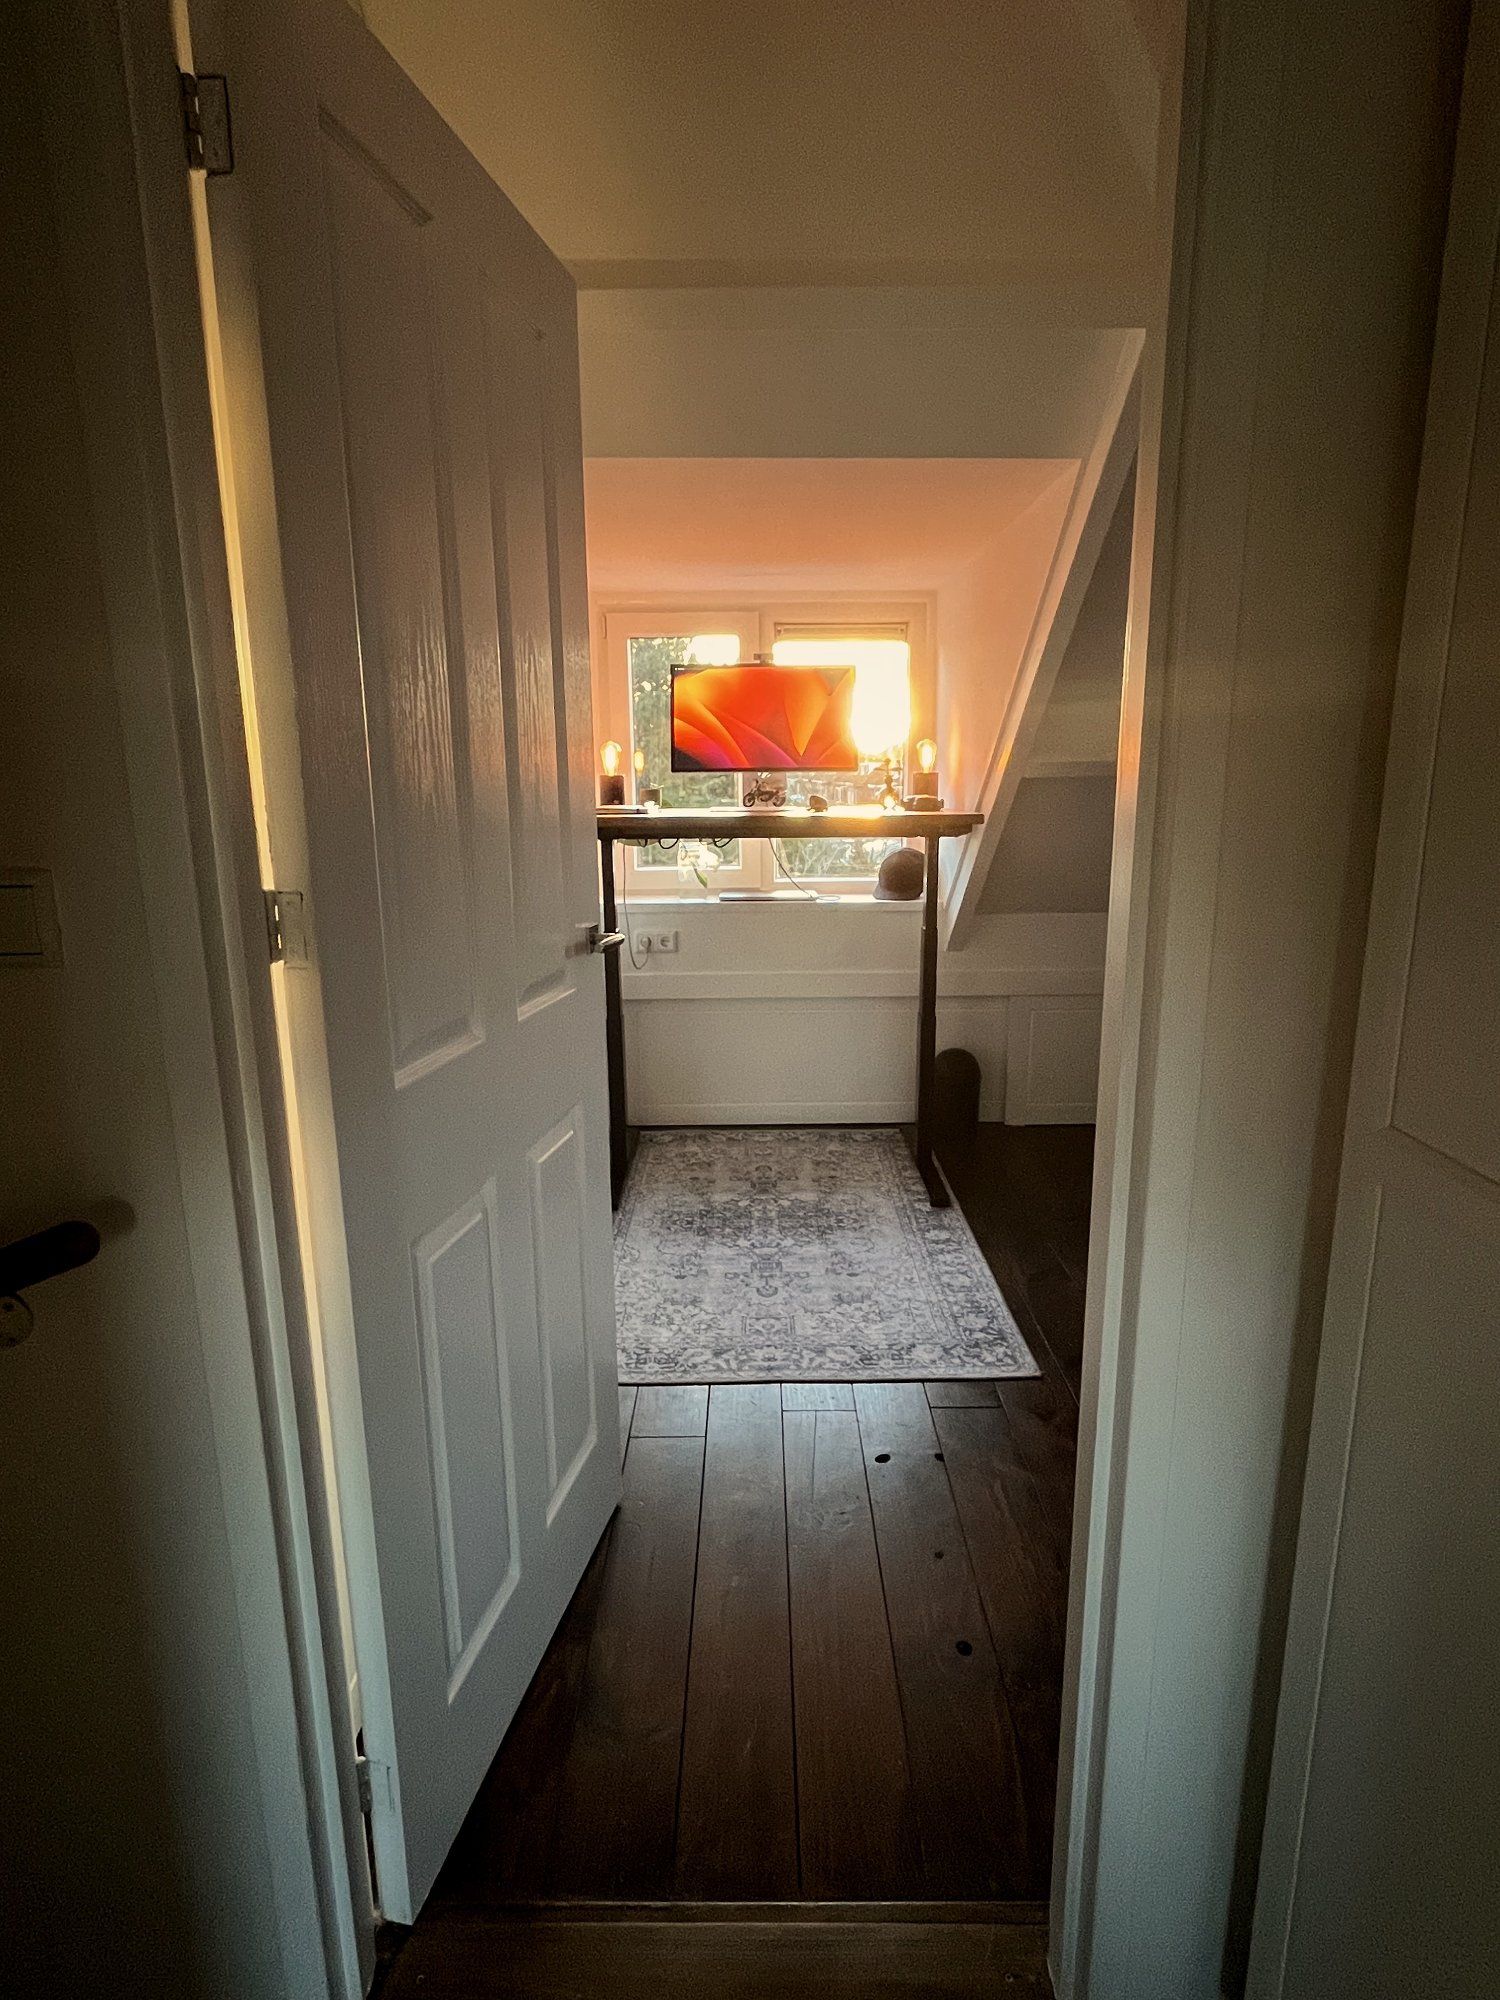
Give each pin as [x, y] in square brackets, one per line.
[927, 1166]
[614, 1033]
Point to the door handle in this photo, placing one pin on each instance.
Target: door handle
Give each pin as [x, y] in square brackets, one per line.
[29, 1260]
[595, 939]
[48, 1254]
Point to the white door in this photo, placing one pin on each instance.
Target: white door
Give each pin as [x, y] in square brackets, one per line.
[418, 348]
[1381, 1869]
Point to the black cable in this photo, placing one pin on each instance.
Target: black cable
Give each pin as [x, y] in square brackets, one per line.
[636, 963]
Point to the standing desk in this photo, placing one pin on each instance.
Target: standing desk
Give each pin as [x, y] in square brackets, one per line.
[624, 825]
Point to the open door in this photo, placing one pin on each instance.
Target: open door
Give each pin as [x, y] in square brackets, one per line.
[416, 348]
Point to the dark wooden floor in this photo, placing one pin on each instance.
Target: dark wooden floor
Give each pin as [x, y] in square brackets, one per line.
[817, 1657]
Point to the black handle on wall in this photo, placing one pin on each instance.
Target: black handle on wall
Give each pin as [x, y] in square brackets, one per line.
[48, 1254]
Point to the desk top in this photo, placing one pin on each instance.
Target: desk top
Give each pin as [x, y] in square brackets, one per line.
[782, 823]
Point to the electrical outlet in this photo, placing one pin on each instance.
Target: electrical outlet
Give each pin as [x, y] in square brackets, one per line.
[661, 941]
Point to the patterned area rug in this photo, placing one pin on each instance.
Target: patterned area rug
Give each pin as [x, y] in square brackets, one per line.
[807, 1254]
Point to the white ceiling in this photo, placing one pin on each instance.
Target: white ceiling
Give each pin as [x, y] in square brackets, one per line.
[907, 525]
[774, 142]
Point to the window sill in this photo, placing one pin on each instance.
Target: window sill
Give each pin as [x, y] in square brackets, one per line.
[852, 899]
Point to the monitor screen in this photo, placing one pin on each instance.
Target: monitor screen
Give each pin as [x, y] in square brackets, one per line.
[756, 717]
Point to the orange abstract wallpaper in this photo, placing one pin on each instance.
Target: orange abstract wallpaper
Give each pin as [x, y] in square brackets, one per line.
[763, 718]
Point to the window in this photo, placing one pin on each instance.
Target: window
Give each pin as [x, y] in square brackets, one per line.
[651, 658]
[634, 703]
[882, 723]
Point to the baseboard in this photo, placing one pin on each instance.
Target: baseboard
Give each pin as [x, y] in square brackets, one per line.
[587, 1910]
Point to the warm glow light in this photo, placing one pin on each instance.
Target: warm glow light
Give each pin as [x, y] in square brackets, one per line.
[609, 758]
[713, 649]
[640, 763]
[882, 684]
[927, 754]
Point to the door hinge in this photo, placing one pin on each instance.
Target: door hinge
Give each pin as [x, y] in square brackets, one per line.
[366, 1784]
[205, 122]
[286, 927]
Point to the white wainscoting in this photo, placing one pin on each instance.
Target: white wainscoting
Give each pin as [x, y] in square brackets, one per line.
[1052, 1058]
[803, 1014]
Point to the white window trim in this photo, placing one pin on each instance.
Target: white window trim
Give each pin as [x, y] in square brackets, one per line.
[618, 620]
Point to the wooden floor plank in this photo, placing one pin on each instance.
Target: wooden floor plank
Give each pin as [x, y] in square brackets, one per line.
[737, 1820]
[557, 1960]
[1011, 1544]
[1026, 1193]
[1023, 1584]
[1044, 1423]
[504, 1851]
[670, 1411]
[894, 1416]
[628, 1394]
[961, 1395]
[816, 1396]
[617, 1816]
[961, 1745]
[853, 1785]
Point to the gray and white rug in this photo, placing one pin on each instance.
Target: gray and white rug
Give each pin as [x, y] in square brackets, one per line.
[799, 1254]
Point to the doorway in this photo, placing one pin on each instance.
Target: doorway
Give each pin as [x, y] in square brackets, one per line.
[443, 1053]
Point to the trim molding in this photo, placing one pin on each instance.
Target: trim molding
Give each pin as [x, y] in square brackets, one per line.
[960, 982]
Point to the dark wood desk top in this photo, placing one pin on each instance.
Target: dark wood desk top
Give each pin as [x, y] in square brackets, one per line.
[783, 823]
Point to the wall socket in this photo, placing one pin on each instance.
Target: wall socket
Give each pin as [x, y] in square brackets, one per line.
[659, 940]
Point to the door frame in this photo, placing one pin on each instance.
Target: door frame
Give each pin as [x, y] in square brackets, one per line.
[113, 115]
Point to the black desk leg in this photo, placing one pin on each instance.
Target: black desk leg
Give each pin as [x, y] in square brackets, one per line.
[927, 1166]
[614, 1033]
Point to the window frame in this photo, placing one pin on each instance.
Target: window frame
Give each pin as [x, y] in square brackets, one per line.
[757, 625]
[620, 627]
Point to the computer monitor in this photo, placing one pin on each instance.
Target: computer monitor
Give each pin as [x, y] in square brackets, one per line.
[758, 717]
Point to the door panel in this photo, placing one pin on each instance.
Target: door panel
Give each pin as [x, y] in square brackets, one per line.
[391, 410]
[559, 1223]
[1448, 1086]
[466, 1380]
[417, 348]
[1380, 1873]
[1398, 1852]
[535, 706]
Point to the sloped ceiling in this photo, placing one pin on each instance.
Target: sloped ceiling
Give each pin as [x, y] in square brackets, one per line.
[710, 141]
[670, 525]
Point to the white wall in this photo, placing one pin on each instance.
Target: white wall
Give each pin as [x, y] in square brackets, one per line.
[804, 1013]
[706, 137]
[145, 1639]
[837, 372]
[1054, 852]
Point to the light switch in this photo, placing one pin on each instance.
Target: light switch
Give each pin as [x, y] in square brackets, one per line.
[28, 918]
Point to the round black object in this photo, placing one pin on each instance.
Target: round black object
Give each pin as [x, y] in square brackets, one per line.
[955, 1097]
[901, 876]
